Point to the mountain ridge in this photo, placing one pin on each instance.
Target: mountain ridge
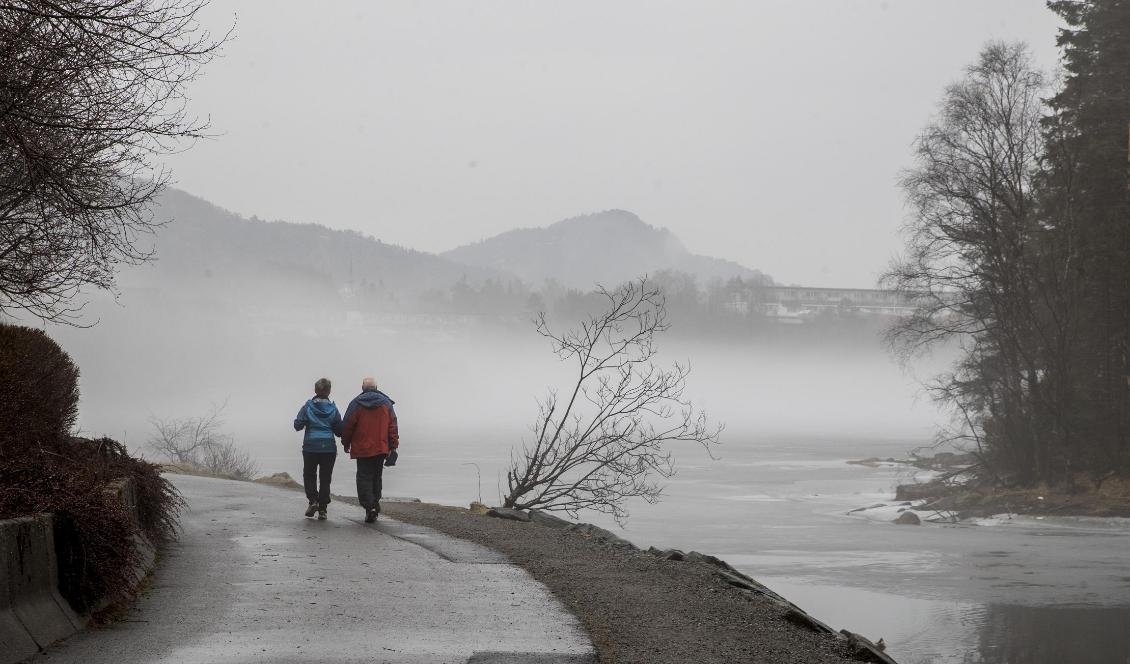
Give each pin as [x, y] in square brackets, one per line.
[208, 248]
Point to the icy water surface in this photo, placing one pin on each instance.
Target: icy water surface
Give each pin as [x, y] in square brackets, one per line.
[1008, 590]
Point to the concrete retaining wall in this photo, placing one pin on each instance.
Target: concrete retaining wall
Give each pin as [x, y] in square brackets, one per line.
[35, 616]
[32, 613]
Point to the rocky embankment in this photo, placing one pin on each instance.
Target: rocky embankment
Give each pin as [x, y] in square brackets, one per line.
[655, 606]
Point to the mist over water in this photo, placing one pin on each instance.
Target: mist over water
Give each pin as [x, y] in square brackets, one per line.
[463, 386]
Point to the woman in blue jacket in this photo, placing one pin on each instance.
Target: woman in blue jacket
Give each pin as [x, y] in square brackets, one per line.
[320, 419]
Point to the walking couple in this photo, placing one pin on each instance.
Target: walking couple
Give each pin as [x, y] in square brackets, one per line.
[368, 432]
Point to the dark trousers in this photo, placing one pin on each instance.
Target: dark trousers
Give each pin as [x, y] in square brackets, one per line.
[369, 471]
[315, 466]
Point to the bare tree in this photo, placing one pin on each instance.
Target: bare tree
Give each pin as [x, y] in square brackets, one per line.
[91, 91]
[975, 261]
[200, 442]
[606, 441]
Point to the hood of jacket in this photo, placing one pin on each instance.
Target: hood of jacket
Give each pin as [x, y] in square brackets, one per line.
[320, 410]
[373, 399]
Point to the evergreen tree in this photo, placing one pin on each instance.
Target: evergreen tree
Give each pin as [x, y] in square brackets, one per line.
[1088, 212]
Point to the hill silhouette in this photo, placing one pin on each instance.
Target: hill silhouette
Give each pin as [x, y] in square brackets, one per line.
[606, 247]
[206, 253]
[208, 249]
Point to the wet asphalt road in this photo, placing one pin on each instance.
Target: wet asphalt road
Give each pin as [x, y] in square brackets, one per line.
[252, 580]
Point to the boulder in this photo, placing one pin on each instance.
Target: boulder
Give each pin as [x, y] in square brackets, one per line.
[743, 582]
[695, 556]
[279, 479]
[548, 520]
[866, 651]
[798, 617]
[908, 518]
[600, 534]
[925, 490]
[739, 582]
[508, 514]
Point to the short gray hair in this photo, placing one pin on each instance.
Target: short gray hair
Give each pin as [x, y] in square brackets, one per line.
[368, 384]
[322, 387]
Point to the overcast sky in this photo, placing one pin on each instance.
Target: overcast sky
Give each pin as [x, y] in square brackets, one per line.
[769, 133]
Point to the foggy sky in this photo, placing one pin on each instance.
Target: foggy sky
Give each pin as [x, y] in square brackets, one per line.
[769, 133]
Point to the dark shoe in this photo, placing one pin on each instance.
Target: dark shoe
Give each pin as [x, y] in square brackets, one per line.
[311, 509]
[322, 514]
[370, 515]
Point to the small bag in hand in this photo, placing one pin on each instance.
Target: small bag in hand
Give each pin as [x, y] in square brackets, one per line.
[390, 460]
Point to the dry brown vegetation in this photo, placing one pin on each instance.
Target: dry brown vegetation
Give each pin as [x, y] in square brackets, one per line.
[45, 469]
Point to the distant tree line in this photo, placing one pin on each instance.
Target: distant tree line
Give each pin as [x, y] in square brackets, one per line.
[1020, 242]
[718, 309]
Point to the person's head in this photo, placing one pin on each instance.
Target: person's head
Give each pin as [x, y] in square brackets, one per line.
[369, 384]
[322, 388]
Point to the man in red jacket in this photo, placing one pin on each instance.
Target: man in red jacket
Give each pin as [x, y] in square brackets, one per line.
[369, 434]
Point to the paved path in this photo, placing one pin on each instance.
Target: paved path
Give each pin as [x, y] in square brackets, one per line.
[252, 580]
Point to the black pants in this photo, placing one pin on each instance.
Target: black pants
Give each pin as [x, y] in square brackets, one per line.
[315, 464]
[369, 472]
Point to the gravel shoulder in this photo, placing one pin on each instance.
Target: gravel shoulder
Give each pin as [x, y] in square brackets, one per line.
[638, 607]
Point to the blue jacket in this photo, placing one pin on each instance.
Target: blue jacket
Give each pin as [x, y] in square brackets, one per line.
[320, 419]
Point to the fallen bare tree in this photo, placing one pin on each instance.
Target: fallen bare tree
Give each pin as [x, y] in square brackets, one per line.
[607, 442]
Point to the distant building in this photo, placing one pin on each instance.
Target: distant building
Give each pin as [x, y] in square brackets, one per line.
[791, 303]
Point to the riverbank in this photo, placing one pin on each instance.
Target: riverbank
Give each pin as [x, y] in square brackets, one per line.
[646, 608]
[955, 493]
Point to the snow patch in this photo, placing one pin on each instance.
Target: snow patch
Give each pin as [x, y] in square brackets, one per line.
[885, 512]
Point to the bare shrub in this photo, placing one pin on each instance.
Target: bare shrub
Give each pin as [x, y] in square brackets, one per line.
[226, 458]
[606, 442]
[200, 442]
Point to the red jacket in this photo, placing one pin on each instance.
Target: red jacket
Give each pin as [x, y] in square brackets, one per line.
[370, 426]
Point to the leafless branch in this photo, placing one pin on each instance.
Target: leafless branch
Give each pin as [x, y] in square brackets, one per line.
[91, 93]
[606, 441]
